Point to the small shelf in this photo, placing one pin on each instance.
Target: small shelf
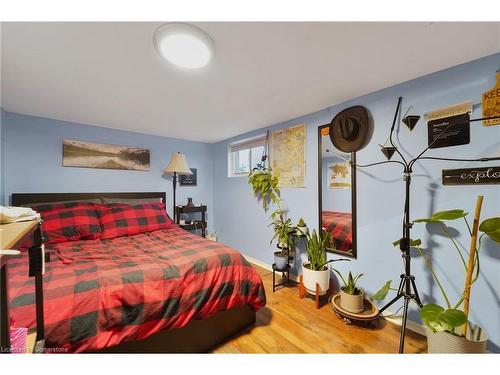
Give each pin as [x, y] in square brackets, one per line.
[194, 226]
[189, 210]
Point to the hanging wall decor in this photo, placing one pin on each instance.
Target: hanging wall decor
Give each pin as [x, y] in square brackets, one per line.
[472, 176]
[451, 110]
[288, 156]
[449, 131]
[491, 104]
[104, 156]
[189, 179]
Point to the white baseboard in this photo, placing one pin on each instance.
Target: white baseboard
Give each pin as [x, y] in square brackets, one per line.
[396, 319]
[266, 266]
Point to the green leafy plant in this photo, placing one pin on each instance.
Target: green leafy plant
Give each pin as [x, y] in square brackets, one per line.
[316, 250]
[448, 318]
[283, 231]
[350, 284]
[265, 186]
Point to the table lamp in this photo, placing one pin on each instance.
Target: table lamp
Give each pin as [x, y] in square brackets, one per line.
[178, 166]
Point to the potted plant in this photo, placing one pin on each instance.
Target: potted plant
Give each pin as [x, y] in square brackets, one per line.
[301, 228]
[283, 233]
[351, 297]
[448, 329]
[265, 185]
[316, 270]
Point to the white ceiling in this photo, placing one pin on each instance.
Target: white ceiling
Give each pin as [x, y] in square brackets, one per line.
[110, 75]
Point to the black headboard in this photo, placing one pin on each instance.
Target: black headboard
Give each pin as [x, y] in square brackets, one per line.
[19, 199]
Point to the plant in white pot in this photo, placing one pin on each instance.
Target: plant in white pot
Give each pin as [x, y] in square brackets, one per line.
[283, 233]
[316, 270]
[448, 328]
[351, 297]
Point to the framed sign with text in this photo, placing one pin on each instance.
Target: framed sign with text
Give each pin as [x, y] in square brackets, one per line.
[472, 176]
[449, 131]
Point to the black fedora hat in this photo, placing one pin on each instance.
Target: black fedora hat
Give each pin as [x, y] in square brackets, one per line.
[350, 128]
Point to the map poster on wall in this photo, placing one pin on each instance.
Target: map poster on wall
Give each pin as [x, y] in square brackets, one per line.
[288, 156]
[339, 175]
[491, 103]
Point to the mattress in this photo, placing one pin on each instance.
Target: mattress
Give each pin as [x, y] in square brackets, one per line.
[340, 225]
[100, 293]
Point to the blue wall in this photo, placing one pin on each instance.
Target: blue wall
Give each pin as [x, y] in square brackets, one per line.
[241, 222]
[33, 161]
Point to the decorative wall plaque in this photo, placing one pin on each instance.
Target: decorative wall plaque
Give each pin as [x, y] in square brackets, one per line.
[472, 176]
[455, 131]
[452, 110]
[491, 103]
[189, 179]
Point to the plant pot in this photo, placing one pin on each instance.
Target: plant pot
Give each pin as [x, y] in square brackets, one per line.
[444, 342]
[352, 302]
[301, 231]
[280, 260]
[311, 278]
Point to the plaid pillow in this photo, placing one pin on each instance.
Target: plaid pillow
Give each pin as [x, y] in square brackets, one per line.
[125, 220]
[71, 224]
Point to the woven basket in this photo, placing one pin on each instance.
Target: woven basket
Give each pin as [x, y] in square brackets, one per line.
[444, 342]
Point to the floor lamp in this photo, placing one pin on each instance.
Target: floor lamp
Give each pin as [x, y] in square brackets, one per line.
[407, 289]
[178, 166]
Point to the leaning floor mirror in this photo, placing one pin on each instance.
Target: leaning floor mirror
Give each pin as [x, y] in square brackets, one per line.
[337, 194]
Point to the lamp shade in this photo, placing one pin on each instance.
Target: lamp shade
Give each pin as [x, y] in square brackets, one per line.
[178, 164]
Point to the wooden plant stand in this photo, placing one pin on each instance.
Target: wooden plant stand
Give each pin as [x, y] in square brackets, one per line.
[317, 297]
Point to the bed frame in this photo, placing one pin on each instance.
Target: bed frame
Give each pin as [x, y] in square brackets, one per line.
[199, 336]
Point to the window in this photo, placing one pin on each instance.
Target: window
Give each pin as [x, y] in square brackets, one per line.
[245, 155]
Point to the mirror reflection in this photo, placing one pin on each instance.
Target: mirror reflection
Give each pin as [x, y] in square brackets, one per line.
[337, 192]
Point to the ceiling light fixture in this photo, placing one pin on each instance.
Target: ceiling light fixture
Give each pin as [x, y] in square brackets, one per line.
[184, 45]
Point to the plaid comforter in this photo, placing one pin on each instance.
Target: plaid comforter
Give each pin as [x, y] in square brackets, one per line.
[99, 293]
[341, 228]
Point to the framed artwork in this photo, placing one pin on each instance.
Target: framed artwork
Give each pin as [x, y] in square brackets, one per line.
[188, 179]
[104, 156]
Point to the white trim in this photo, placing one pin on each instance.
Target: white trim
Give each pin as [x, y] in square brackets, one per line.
[411, 325]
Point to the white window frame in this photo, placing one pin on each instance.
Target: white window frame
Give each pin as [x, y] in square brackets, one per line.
[242, 143]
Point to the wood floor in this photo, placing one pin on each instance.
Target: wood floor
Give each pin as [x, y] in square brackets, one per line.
[290, 325]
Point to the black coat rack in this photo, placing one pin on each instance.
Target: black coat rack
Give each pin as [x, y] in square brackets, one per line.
[407, 287]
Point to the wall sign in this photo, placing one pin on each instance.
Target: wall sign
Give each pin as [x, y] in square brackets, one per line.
[472, 176]
[188, 179]
[452, 110]
[457, 131]
[491, 103]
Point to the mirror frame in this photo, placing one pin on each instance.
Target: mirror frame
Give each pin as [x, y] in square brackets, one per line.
[353, 196]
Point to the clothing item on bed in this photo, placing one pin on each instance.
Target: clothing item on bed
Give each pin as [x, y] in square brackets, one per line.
[99, 293]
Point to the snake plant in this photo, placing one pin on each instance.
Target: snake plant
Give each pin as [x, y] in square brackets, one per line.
[316, 250]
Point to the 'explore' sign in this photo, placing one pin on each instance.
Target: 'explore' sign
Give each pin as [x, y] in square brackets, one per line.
[471, 176]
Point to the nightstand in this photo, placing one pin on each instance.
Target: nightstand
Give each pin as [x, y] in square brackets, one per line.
[195, 224]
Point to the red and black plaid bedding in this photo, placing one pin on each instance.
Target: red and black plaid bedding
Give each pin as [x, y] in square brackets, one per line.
[99, 293]
[340, 224]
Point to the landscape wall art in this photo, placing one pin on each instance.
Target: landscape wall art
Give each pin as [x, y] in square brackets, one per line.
[104, 156]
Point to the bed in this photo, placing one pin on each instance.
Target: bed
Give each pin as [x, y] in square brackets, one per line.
[161, 291]
[340, 226]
